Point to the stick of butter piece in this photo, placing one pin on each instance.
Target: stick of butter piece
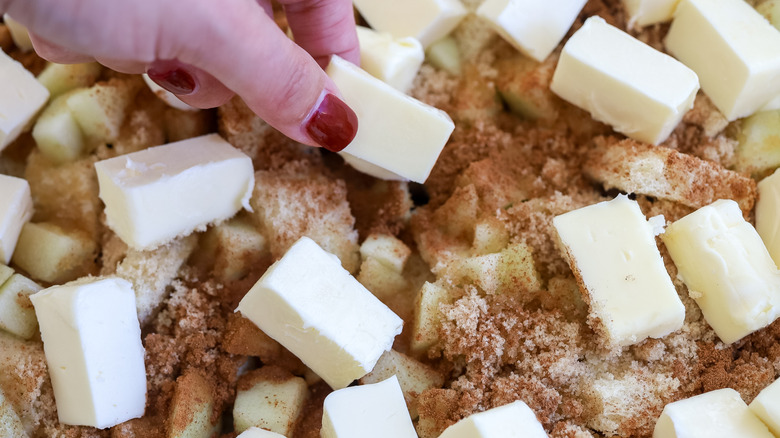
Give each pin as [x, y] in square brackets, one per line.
[768, 214]
[533, 27]
[733, 49]
[425, 20]
[727, 269]
[312, 306]
[396, 132]
[376, 410]
[515, 420]
[395, 61]
[92, 341]
[766, 406]
[715, 414]
[19, 34]
[21, 97]
[623, 82]
[157, 194]
[612, 251]
[646, 12]
[16, 209]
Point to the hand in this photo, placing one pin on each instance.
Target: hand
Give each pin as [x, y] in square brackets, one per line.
[205, 50]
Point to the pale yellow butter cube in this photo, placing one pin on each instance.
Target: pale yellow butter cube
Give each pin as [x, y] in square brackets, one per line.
[623, 82]
[727, 269]
[611, 248]
[766, 406]
[400, 135]
[16, 209]
[768, 214]
[647, 12]
[533, 27]
[515, 420]
[715, 414]
[732, 48]
[425, 20]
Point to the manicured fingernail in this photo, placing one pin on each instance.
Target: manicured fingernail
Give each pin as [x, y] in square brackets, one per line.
[333, 124]
[173, 78]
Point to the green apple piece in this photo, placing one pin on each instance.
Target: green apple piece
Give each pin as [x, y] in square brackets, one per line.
[758, 151]
[444, 54]
[490, 236]
[770, 9]
[5, 273]
[523, 84]
[61, 78]
[100, 110]
[57, 133]
[10, 423]
[19, 34]
[17, 315]
[191, 407]
[387, 249]
[413, 376]
[52, 254]
[270, 398]
[237, 247]
[381, 279]
[427, 316]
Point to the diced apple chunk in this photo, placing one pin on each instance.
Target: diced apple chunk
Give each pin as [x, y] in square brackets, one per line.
[490, 236]
[57, 133]
[235, 247]
[445, 54]
[270, 398]
[100, 110]
[413, 376]
[192, 406]
[524, 85]
[10, 423]
[387, 249]
[61, 78]
[427, 316]
[511, 270]
[17, 314]
[52, 254]
[759, 143]
[383, 281]
[5, 273]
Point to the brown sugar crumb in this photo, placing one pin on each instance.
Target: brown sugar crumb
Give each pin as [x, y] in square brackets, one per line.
[636, 167]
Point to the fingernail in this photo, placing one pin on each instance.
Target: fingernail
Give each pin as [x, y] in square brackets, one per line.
[173, 78]
[333, 124]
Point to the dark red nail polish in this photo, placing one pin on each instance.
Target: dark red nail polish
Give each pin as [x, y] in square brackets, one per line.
[176, 80]
[333, 124]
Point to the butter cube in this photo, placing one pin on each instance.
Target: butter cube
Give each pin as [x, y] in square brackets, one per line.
[377, 410]
[311, 305]
[715, 414]
[395, 132]
[732, 48]
[611, 248]
[766, 406]
[256, 432]
[16, 313]
[155, 195]
[727, 269]
[533, 27]
[425, 20]
[623, 82]
[18, 33]
[647, 12]
[21, 97]
[92, 341]
[768, 214]
[395, 61]
[514, 420]
[16, 209]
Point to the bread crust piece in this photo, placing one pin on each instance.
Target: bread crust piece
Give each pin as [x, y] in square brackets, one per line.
[635, 167]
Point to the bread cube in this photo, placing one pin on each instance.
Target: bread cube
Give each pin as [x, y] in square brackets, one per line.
[10, 424]
[270, 398]
[57, 133]
[490, 236]
[17, 315]
[53, 254]
[61, 78]
[413, 376]
[191, 407]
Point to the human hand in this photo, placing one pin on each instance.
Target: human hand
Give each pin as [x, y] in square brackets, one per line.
[205, 50]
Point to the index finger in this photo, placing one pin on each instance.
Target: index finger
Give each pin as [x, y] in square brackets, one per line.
[324, 28]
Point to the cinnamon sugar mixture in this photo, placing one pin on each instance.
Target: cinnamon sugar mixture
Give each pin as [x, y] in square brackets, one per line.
[525, 336]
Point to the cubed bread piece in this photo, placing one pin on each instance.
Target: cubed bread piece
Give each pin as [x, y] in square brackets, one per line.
[53, 254]
[270, 398]
[299, 200]
[10, 423]
[640, 168]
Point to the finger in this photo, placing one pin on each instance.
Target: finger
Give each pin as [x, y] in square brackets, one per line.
[54, 53]
[192, 85]
[324, 28]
